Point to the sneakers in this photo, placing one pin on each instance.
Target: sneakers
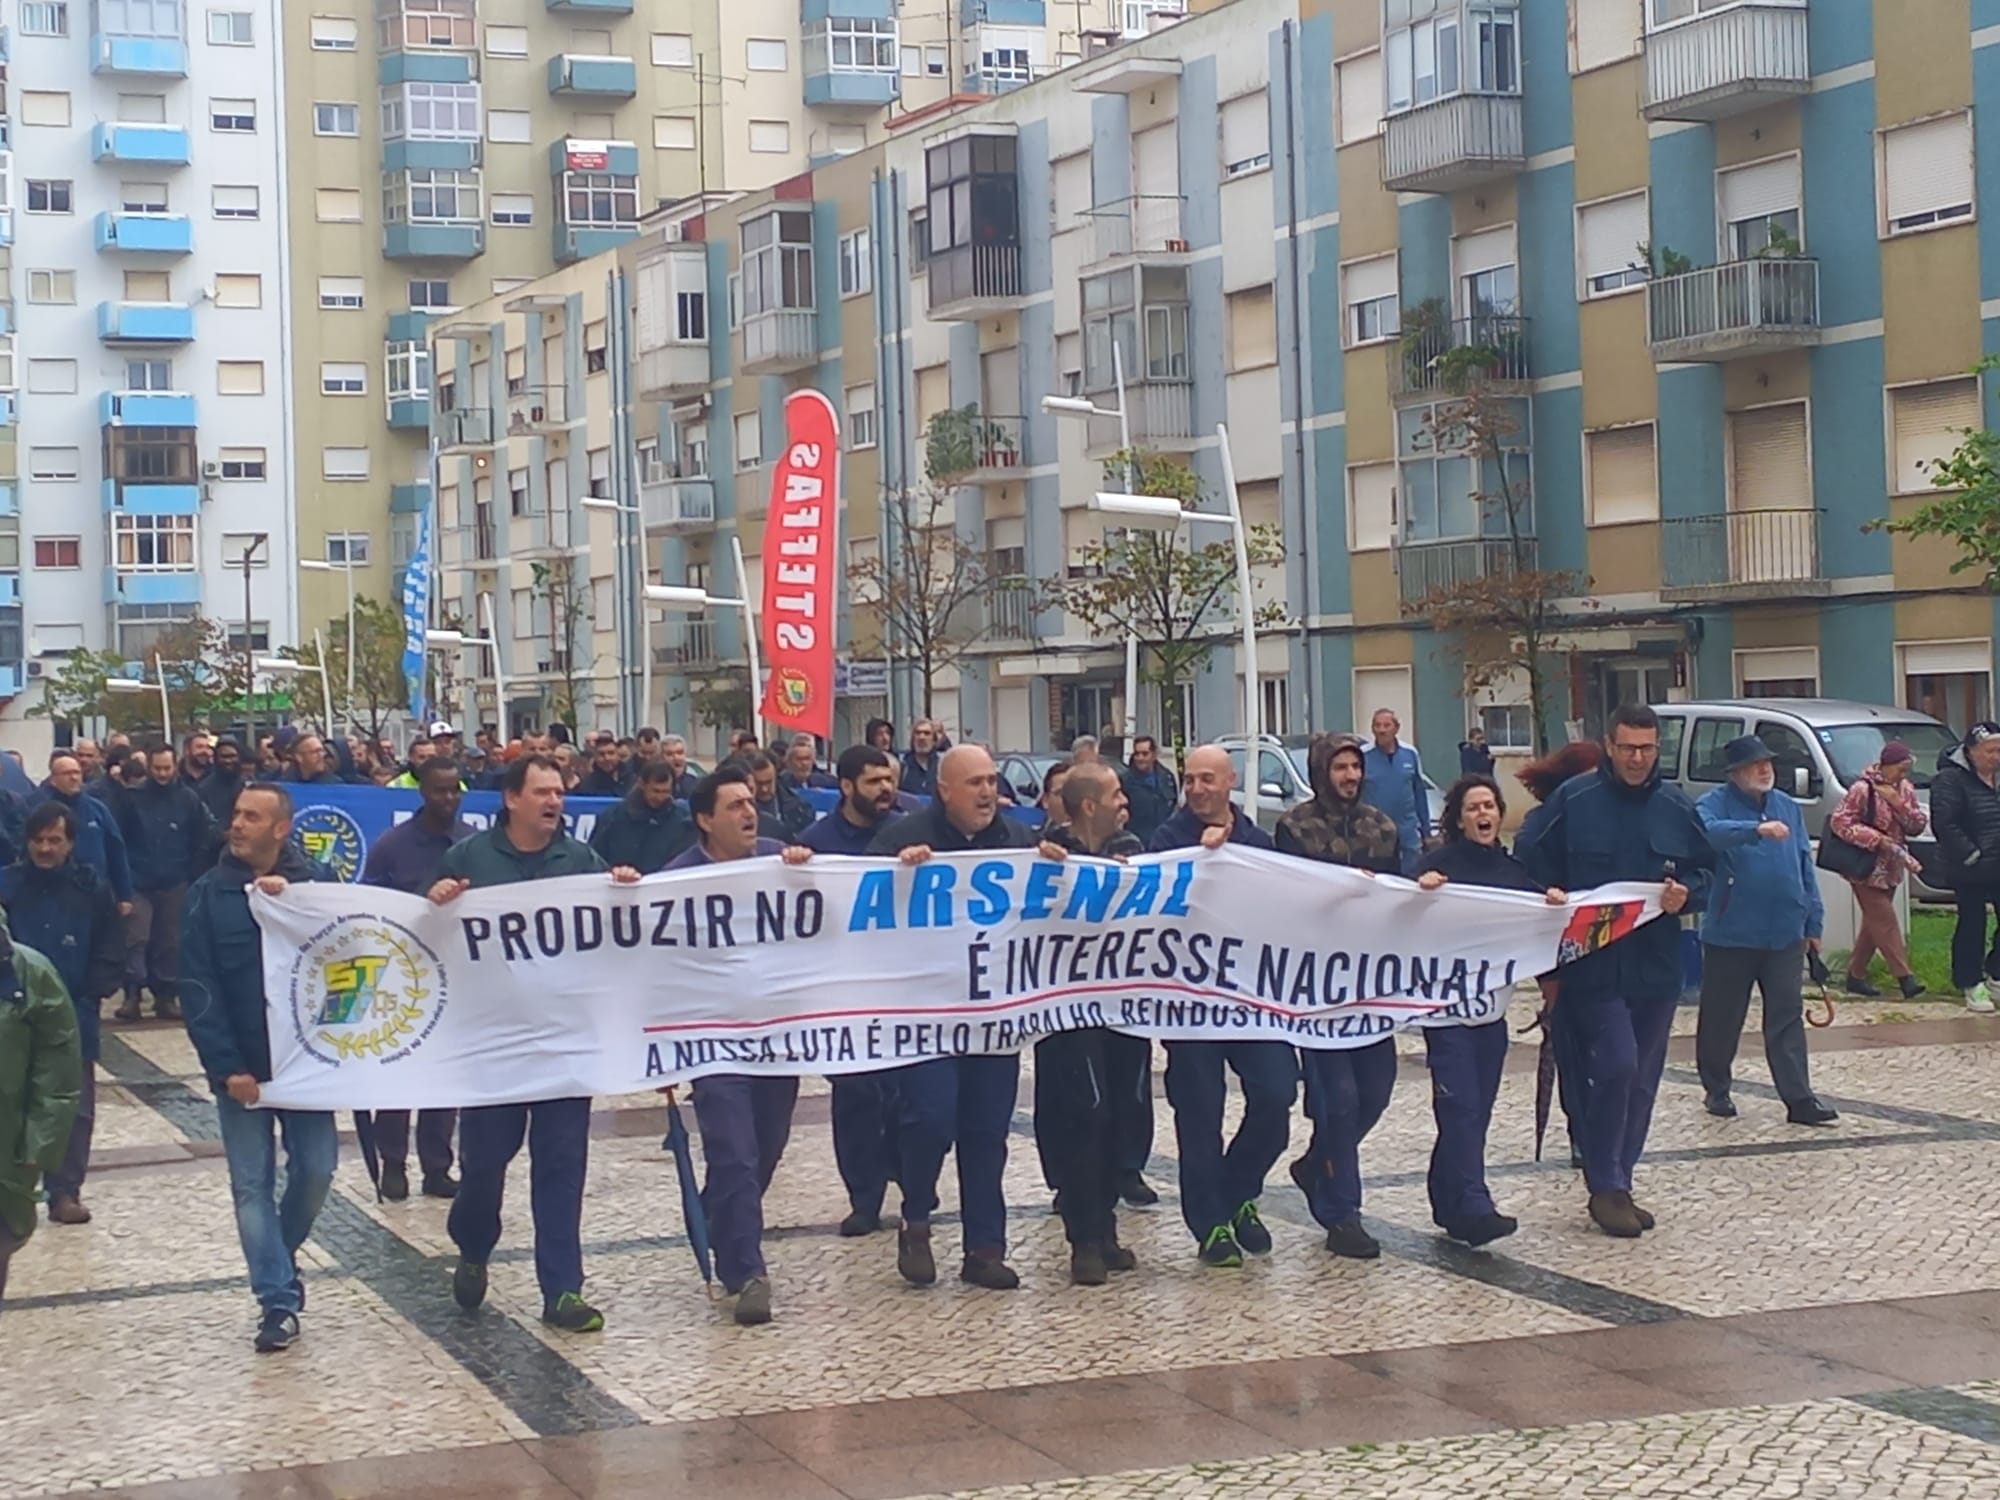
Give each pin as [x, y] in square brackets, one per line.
[753, 1303]
[1135, 1190]
[1118, 1258]
[572, 1314]
[1350, 1241]
[1978, 1001]
[1248, 1227]
[1483, 1230]
[988, 1270]
[468, 1284]
[1087, 1267]
[277, 1332]
[395, 1183]
[914, 1262]
[68, 1209]
[1616, 1215]
[1220, 1248]
[1911, 986]
[1721, 1106]
[1856, 985]
[440, 1185]
[859, 1223]
[1809, 1111]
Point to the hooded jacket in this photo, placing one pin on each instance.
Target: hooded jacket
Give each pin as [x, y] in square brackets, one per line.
[1335, 830]
[41, 1078]
[1965, 818]
[69, 916]
[646, 838]
[99, 843]
[168, 834]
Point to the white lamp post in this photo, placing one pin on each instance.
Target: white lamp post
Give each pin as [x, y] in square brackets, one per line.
[326, 565]
[125, 685]
[613, 508]
[280, 666]
[676, 597]
[457, 640]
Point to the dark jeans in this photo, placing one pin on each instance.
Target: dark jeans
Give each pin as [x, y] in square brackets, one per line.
[1216, 1182]
[1972, 959]
[558, 1136]
[1347, 1088]
[962, 1104]
[434, 1127]
[153, 942]
[1128, 1087]
[864, 1142]
[1624, 1046]
[67, 1180]
[1465, 1063]
[745, 1123]
[1726, 977]
[1074, 1128]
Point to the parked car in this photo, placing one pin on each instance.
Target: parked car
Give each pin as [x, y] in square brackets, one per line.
[1283, 781]
[1821, 745]
[1024, 771]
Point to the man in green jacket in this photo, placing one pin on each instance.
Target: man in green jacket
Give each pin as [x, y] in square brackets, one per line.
[41, 1082]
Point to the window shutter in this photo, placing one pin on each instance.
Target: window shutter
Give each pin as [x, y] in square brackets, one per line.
[1156, 162]
[1930, 420]
[1006, 532]
[1622, 481]
[1360, 98]
[1606, 31]
[1768, 459]
[1611, 234]
[1770, 187]
[1072, 175]
[1371, 521]
[1246, 133]
[1927, 167]
[1370, 279]
[1484, 251]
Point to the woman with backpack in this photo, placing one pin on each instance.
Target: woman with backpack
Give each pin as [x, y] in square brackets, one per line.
[1876, 820]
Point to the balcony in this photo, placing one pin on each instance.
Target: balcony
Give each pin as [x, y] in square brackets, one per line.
[485, 541]
[673, 372]
[151, 499]
[1452, 143]
[409, 499]
[685, 643]
[538, 411]
[669, 505]
[1144, 225]
[852, 88]
[552, 535]
[406, 240]
[144, 234]
[576, 75]
[7, 227]
[972, 282]
[1010, 610]
[1160, 413]
[1743, 554]
[1726, 62]
[575, 242]
[138, 56]
[410, 412]
[145, 409]
[590, 7]
[467, 431]
[1427, 568]
[995, 454]
[1451, 359]
[145, 323]
[151, 588]
[1732, 310]
[780, 341]
[158, 145]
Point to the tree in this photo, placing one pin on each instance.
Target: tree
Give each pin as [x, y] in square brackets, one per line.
[555, 584]
[1967, 514]
[1178, 599]
[203, 671]
[379, 688]
[926, 580]
[1503, 616]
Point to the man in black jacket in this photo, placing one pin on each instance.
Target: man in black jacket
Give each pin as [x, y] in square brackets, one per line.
[1965, 816]
[169, 838]
[777, 802]
[218, 788]
[647, 829]
[606, 777]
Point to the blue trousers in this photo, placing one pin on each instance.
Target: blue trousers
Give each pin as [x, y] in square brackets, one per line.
[1128, 1086]
[745, 1123]
[1465, 1066]
[489, 1138]
[1624, 1047]
[864, 1144]
[964, 1104]
[1347, 1088]
[1216, 1182]
[272, 1227]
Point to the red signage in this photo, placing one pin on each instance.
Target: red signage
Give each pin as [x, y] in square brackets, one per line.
[587, 159]
[800, 576]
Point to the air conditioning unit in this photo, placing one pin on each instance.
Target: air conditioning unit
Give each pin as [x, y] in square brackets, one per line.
[211, 469]
[37, 669]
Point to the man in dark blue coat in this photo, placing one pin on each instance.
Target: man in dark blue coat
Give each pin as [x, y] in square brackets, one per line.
[99, 843]
[920, 761]
[649, 828]
[169, 837]
[1622, 822]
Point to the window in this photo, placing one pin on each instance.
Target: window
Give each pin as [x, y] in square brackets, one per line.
[1246, 135]
[857, 266]
[155, 18]
[1488, 280]
[239, 377]
[1253, 329]
[1608, 240]
[774, 136]
[732, 287]
[777, 263]
[54, 463]
[337, 205]
[1006, 65]
[673, 49]
[142, 109]
[52, 377]
[1769, 468]
[849, 44]
[229, 28]
[1927, 174]
[233, 202]
[1603, 34]
[347, 549]
[749, 439]
[1373, 311]
[429, 295]
[341, 293]
[596, 348]
[1621, 476]
[1150, 333]
[517, 492]
[597, 473]
[935, 61]
[514, 208]
[48, 195]
[152, 544]
[765, 54]
[44, 17]
[1706, 761]
[673, 132]
[242, 463]
[1949, 680]
[233, 116]
[336, 119]
[142, 197]
[149, 374]
[432, 195]
[343, 463]
[1758, 208]
[238, 545]
[506, 41]
[44, 108]
[64, 553]
[239, 289]
[691, 317]
[1928, 422]
[150, 455]
[338, 379]
[1778, 672]
[600, 199]
[1371, 507]
[911, 62]
[335, 33]
[431, 112]
[512, 127]
[1476, 50]
[56, 287]
[406, 369]
[861, 425]
[429, 24]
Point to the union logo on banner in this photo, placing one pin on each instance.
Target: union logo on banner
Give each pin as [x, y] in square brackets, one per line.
[800, 579]
[1594, 927]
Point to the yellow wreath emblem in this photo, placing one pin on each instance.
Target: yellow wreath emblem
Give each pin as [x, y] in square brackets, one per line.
[403, 1015]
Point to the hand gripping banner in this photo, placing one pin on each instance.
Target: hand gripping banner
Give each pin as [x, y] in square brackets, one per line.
[801, 539]
[581, 986]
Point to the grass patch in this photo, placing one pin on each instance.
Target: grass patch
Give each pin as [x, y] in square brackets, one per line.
[1930, 955]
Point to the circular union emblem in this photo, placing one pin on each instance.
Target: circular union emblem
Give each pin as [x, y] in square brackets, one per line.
[366, 988]
[794, 689]
[330, 836]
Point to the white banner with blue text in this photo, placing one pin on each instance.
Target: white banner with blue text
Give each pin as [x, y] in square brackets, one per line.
[581, 986]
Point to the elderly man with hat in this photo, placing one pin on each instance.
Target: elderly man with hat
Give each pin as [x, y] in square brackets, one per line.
[1764, 915]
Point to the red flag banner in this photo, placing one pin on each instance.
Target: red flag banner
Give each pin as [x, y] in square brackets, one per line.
[800, 575]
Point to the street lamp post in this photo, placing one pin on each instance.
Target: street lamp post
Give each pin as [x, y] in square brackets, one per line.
[625, 587]
[328, 565]
[282, 666]
[258, 541]
[675, 597]
[457, 640]
[123, 685]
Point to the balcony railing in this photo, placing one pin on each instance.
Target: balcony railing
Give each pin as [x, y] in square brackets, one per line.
[1425, 568]
[1739, 307]
[1160, 413]
[685, 643]
[1010, 612]
[1744, 554]
[485, 543]
[970, 278]
[1724, 62]
[1488, 351]
[1144, 224]
[780, 341]
[995, 449]
[1453, 143]
[471, 427]
[668, 504]
[539, 408]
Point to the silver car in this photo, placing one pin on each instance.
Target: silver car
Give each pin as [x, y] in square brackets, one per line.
[1283, 780]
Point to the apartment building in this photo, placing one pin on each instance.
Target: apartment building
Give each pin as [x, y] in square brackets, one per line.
[1719, 268]
[144, 417]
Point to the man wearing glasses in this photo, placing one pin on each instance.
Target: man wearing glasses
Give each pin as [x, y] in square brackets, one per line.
[1621, 822]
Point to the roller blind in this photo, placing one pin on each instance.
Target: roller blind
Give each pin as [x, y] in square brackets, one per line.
[1483, 251]
[1372, 502]
[1927, 171]
[1370, 279]
[1770, 187]
[1246, 134]
[1623, 486]
[1360, 97]
[1768, 459]
[1610, 234]
[1929, 422]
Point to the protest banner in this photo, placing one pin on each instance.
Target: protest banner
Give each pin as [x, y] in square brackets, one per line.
[582, 986]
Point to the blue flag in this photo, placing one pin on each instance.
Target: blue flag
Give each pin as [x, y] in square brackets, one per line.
[417, 617]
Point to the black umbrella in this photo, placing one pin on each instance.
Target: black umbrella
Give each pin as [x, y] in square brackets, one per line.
[676, 1141]
[371, 1157]
[1545, 1063]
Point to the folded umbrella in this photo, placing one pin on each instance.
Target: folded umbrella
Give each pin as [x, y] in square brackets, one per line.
[371, 1156]
[677, 1143]
[1821, 975]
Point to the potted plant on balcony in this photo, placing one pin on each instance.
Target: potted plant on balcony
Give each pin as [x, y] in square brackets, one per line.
[997, 447]
[953, 441]
[1426, 336]
[1663, 261]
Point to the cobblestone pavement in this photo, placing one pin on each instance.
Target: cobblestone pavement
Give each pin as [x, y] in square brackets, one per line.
[1845, 1280]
